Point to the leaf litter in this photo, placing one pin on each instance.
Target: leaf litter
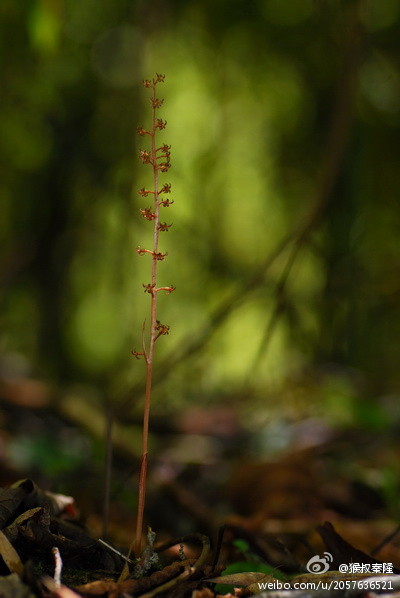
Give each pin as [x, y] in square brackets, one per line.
[46, 552]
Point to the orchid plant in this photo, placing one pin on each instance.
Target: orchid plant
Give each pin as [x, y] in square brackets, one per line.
[158, 158]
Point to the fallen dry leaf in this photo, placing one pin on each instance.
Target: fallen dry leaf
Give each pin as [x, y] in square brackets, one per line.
[10, 555]
[342, 551]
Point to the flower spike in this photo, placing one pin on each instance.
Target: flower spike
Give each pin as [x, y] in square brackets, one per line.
[158, 156]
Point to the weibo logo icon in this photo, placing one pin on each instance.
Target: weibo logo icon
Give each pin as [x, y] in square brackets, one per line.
[319, 564]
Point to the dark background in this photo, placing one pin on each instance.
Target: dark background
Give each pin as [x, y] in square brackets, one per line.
[283, 119]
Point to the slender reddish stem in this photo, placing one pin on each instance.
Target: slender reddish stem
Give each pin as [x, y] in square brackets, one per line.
[149, 353]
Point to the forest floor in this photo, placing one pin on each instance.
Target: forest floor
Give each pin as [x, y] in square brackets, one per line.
[312, 520]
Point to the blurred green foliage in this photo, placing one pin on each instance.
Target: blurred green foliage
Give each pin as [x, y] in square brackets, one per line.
[250, 96]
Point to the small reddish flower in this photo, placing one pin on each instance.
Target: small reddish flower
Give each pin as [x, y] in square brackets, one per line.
[159, 256]
[163, 226]
[166, 202]
[156, 103]
[159, 78]
[160, 123]
[148, 214]
[144, 192]
[142, 131]
[149, 288]
[166, 188]
[161, 328]
[145, 157]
